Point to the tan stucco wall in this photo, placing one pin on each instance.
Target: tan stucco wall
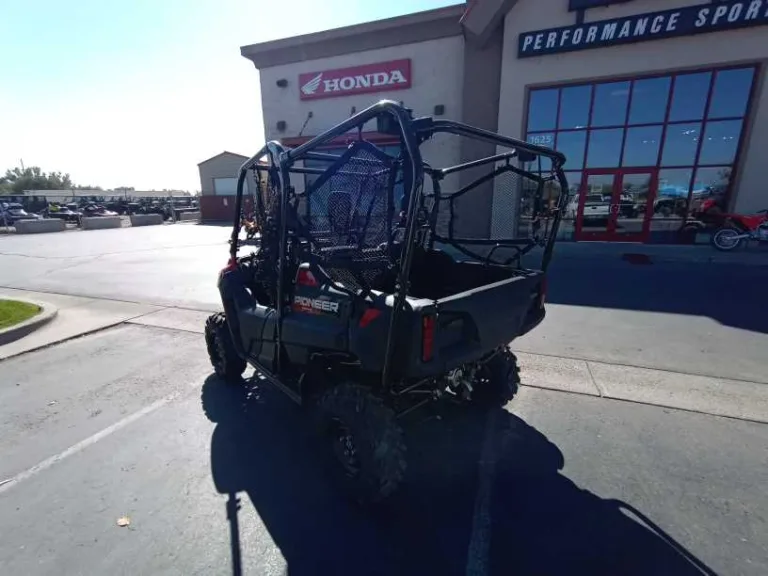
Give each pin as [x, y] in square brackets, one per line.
[437, 69]
[713, 49]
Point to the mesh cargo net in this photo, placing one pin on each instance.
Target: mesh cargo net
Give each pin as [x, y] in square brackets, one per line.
[348, 216]
[464, 219]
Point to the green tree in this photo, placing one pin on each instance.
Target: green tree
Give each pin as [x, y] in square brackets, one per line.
[33, 178]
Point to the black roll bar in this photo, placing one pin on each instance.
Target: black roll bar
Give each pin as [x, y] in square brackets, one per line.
[412, 132]
[272, 150]
[475, 163]
[453, 127]
[410, 143]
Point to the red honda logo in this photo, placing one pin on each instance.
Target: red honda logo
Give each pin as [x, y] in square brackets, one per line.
[379, 77]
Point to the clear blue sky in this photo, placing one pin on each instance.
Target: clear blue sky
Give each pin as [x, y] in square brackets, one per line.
[137, 92]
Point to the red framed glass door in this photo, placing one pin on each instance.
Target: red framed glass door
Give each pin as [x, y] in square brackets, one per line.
[616, 205]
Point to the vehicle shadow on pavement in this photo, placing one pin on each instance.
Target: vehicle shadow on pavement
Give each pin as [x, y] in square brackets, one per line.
[540, 522]
[732, 295]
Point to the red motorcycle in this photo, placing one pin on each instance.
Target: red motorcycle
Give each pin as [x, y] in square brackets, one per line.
[737, 228]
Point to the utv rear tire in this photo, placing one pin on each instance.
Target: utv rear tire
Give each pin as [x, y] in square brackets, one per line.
[351, 419]
[221, 350]
[499, 380]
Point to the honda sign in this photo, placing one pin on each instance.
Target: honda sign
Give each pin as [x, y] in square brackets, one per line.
[379, 77]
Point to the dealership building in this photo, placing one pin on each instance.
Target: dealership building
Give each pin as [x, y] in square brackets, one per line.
[659, 105]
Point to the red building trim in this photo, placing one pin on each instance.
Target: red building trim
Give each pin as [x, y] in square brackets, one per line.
[221, 208]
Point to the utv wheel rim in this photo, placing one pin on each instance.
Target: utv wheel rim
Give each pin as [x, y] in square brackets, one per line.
[344, 449]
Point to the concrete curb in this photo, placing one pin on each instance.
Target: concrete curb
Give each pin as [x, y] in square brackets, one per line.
[44, 226]
[146, 220]
[46, 314]
[694, 393]
[101, 222]
[189, 217]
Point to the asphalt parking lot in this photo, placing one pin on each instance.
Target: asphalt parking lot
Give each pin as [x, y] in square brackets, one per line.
[128, 421]
[678, 316]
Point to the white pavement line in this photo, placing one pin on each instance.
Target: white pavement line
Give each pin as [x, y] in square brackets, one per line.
[480, 539]
[83, 444]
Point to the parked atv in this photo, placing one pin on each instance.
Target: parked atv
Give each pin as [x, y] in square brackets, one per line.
[12, 212]
[96, 210]
[55, 210]
[365, 303]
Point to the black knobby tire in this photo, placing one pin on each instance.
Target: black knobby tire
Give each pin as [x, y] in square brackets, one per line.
[221, 350]
[498, 380]
[378, 465]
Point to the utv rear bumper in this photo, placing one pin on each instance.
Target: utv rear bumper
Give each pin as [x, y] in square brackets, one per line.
[533, 319]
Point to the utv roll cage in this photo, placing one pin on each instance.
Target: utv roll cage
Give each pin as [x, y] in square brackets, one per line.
[425, 217]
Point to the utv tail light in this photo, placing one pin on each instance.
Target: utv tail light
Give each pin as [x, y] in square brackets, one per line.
[231, 265]
[427, 338]
[306, 278]
[369, 316]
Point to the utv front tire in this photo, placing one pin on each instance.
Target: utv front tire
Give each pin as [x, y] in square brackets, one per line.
[221, 350]
[364, 439]
[499, 380]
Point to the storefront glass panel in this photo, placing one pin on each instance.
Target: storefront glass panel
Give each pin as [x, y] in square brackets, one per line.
[610, 106]
[721, 139]
[649, 100]
[604, 148]
[574, 107]
[542, 110]
[689, 100]
[730, 94]
[681, 144]
[573, 145]
[641, 148]
[677, 133]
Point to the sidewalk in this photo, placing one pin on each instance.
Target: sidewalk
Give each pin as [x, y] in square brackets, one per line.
[705, 394]
[753, 255]
[76, 316]
[709, 395]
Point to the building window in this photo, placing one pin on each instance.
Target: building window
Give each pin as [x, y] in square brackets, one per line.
[649, 100]
[604, 148]
[610, 104]
[542, 110]
[641, 146]
[574, 107]
[684, 127]
[690, 97]
[228, 187]
[225, 186]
